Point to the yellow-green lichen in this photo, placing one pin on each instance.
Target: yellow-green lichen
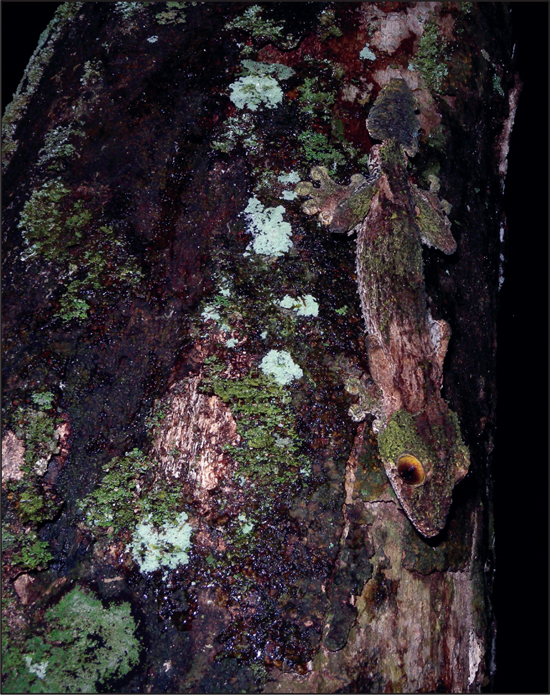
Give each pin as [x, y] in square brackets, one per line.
[253, 23]
[173, 14]
[313, 101]
[401, 436]
[318, 149]
[432, 57]
[327, 27]
[270, 446]
[127, 494]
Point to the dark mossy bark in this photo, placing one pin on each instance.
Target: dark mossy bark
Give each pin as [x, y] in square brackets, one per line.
[178, 335]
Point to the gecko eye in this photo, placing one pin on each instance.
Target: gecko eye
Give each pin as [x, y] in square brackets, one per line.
[410, 470]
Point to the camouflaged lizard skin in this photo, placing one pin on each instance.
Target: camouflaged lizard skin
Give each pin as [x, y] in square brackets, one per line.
[419, 438]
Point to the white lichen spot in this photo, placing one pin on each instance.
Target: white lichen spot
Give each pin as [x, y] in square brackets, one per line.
[303, 306]
[280, 365]
[41, 466]
[231, 343]
[291, 178]
[165, 547]
[38, 669]
[475, 653]
[263, 335]
[153, 39]
[246, 527]
[366, 53]
[210, 313]
[272, 235]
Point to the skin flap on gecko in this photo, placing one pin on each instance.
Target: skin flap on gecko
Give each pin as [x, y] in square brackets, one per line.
[419, 437]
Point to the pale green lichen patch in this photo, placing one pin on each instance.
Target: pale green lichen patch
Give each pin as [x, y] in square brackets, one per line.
[258, 87]
[162, 548]
[280, 365]
[38, 669]
[289, 177]
[272, 235]
[303, 306]
[254, 91]
[247, 526]
[85, 646]
[289, 195]
[366, 53]
[210, 313]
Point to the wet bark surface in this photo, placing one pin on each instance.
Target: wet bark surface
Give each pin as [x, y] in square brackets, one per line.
[180, 463]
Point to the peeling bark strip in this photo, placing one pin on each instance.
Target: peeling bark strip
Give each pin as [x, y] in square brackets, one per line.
[195, 429]
[181, 342]
[13, 453]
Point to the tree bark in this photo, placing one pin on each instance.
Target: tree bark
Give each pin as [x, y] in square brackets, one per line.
[178, 335]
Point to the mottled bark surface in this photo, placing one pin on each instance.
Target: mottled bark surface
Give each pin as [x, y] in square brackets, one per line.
[181, 474]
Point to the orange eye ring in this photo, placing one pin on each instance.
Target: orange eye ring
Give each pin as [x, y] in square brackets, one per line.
[410, 470]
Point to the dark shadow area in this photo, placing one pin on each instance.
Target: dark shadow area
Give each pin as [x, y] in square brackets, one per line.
[521, 451]
[22, 24]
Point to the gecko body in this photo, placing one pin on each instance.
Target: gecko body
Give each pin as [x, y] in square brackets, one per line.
[419, 437]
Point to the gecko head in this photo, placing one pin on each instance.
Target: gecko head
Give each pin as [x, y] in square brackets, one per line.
[393, 116]
[424, 457]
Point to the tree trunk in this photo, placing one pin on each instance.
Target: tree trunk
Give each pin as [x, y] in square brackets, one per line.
[181, 476]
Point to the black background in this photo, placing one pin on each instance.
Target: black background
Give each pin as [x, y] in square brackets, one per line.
[521, 451]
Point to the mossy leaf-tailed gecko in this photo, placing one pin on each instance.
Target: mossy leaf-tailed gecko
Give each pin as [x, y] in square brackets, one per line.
[419, 437]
